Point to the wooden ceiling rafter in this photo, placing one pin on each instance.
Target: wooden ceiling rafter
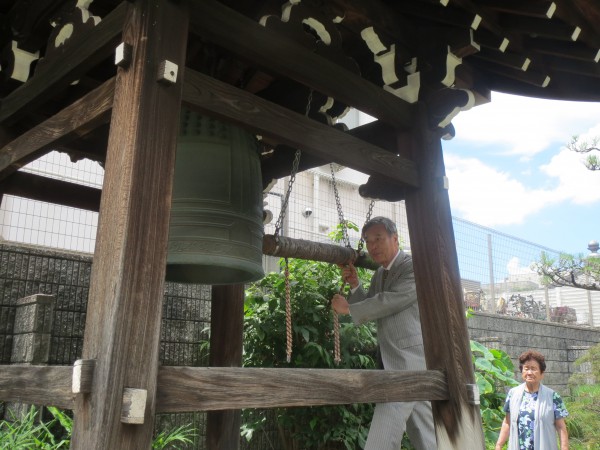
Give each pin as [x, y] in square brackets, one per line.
[77, 119]
[531, 77]
[241, 35]
[76, 57]
[568, 13]
[547, 28]
[544, 9]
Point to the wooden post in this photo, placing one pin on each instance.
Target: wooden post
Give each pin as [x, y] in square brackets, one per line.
[226, 333]
[126, 291]
[445, 334]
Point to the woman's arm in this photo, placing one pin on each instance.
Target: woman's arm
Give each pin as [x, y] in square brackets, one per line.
[561, 427]
[505, 432]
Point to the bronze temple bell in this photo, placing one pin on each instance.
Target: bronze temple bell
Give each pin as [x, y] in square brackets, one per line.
[216, 228]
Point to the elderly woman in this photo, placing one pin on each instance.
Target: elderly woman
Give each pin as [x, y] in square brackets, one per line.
[534, 412]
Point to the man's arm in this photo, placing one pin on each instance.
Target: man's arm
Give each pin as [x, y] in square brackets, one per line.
[400, 295]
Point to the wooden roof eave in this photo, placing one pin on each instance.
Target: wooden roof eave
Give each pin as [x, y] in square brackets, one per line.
[77, 56]
[227, 28]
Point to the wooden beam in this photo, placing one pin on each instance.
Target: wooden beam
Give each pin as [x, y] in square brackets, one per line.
[229, 29]
[37, 385]
[532, 76]
[437, 278]
[586, 68]
[551, 29]
[226, 336]
[80, 55]
[540, 8]
[77, 119]
[35, 187]
[569, 50]
[122, 331]
[568, 12]
[228, 103]
[446, 15]
[183, 389]
[286, 247]
[517, 61]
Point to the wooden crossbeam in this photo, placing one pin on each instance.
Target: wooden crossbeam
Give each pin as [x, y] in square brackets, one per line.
[552, 29]
[567, 11]
[183, 389]
[541, 8]
[37, 385]
[213, 97]
[78, 56]
[568, 50]
[35, 187]
[76, 119]
[237, 33]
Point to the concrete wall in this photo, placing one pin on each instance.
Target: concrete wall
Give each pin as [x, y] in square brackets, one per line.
[560, 344]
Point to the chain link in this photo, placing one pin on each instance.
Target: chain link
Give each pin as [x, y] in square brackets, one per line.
[361, 242]
[295, 163]
[286, 199]
[338, 205]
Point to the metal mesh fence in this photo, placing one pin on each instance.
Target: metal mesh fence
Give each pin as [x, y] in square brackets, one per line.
[495, 267]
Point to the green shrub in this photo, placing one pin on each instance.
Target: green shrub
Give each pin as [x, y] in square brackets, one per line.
[583, 404]
[29, 433]
[312, 286]
[494, 373]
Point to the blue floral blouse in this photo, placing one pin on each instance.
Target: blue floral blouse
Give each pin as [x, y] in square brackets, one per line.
[526, 419]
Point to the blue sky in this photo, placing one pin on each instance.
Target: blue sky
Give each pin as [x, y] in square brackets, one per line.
[509, 170]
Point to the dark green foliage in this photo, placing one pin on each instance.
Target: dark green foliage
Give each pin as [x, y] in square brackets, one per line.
[28, 432]
[312, 286]
[494, 373]
[583, 422]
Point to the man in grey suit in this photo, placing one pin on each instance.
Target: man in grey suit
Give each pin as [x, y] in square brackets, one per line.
[392, 302]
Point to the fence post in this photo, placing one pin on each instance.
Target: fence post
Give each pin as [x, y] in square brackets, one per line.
[32, 330]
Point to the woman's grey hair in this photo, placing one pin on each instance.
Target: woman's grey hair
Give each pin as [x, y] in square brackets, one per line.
[389, 225]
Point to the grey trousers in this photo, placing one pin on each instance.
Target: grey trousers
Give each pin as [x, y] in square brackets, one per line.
[390, 420]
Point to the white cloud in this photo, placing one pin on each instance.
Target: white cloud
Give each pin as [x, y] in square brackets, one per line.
[481, 194]
[575, 182]
[525, 126]
[522, 126]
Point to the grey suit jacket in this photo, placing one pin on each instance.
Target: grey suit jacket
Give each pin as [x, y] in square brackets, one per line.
[395, 309]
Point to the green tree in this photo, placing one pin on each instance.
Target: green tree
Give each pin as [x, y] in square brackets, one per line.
[583, 404]
[592, 161]
[568, 270]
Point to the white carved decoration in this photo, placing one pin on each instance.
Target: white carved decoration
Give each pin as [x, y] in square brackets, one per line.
[291, 15]
[22, 62]
[386, 58]
[470, 103]
[67, 29]
[452, 61]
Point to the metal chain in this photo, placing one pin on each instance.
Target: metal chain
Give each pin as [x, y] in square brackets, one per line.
[361, 242]
[278, 225]
[338, 204]
[295, 163]
[286, 199]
